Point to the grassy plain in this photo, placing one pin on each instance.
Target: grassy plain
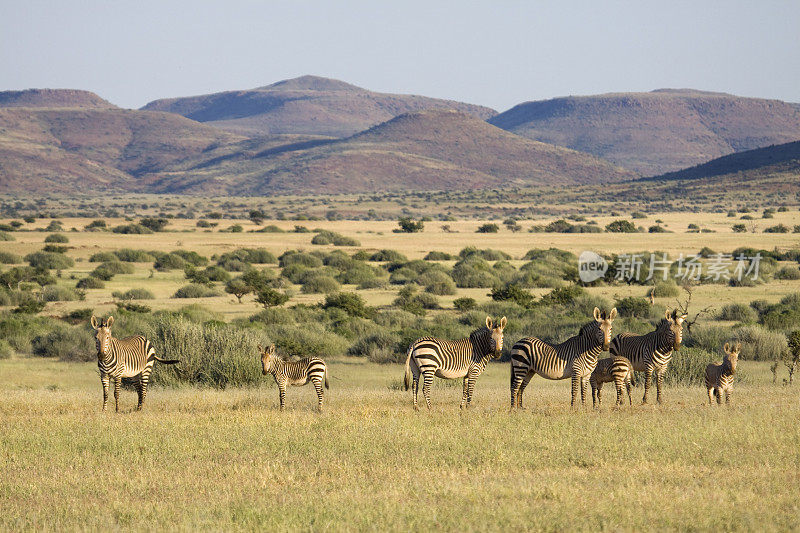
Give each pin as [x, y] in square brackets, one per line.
[228, 460]
[199, 458]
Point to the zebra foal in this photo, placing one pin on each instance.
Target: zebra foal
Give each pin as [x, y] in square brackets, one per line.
[465, 358]
[617, 370]
[719, 376]
[574, 358]
[652, 352]
[296, 373]
[131, 357]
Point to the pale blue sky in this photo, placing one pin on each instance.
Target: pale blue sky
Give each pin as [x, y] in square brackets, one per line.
[496, 53]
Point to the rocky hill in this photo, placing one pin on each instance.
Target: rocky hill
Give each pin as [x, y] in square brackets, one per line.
[656, 132]
[50, 98]
[308, 105]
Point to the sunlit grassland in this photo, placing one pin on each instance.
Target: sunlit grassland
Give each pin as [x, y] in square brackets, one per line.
[227, 459]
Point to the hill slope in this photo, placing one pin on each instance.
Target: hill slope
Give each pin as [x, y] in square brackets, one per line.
[308, 105]
[70, 98]
[656, 132]
[431, 150]
[63, 150]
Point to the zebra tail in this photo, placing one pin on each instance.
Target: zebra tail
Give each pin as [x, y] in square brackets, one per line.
[166, 361]
[326, 378]
[407, 376]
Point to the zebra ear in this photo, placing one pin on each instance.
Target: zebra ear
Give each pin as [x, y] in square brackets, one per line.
[271, 350]
[727, 347]
[738, 347]
[260, 349]
[597, 314]
[109, 321]
[489, 322]
[94, 322]
[666, 313]
[503, 322]
[613, 314]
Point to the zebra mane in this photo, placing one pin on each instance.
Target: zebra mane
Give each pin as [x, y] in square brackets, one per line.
[587, 328]
[478, 333]
[663, 323]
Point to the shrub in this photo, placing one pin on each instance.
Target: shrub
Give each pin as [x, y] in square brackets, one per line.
[438, 283]
[132, 229]
[780, 228]
[739, 228]
[118, 267]
[54, 293]
[465, 303]
[129, 255]
[656, 229]
[155, 224]
[759, 344]
[666, 289]
[350, 302]
[408, 299]
[67, 344]
[438, 256]
[379, 347]
[134, 294]
[688, 366]
[320, 284]
[102, 257]
[486, 254]
[191, 257]
[6, 351]
[55, 248]
[514, 293]
[388, 255]
[7, 258]
[6, 237]
[170, 261]
[337, 239]
[474, 272]
[488, 228]
[408, 225]
[238, 288]
[49, 260]
[308, 340]
[56, 238]
[235, 228]
[20, 329]
[737, 312]
[621, 226]
[788, 273]
[95, 225]
[193, 290]
[294, 257]
[632, 306]
[269, 297]
[90, 283]
[563, 295]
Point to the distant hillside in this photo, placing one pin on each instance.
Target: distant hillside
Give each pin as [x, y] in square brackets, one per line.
[309, 105]
[753, 163]
[656, 132]
[67, 150]
[53, 98]
[432, 150]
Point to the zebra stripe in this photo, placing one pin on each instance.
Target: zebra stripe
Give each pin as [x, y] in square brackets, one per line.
[295, 373]
[465, 358]
[574, 358]
[652, 352]
[719, 376]
[617, 370]
[131, 357]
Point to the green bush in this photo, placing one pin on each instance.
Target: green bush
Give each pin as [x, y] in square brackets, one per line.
[438, 256]
[155, 224]
[170, 261]
[54, 293]
[788, 273]
[465, 303]
[488, 228]
[73, 344]
[49, 260]
[320, 284]
[350, 302]
[438, 283]
[308, 340]
[759, 344]
[7, 258]
[90, 283]
[408, 299]
[118, 267]
[95, 225]
[269, 297]
[621, 226]
[331, 237]
[780, 228]
[737, 312]
[20, 329]
[474, 272]
[6, 351]
[191, 257]
[132, 229]
[514, 293]
[294, 257]
[379, 347]
[193, 290]
[55, 248]
[102, 257]
[129, 255]
[666, 289]
[688, 367]
[486, 254]
[57, 238]
[391, 256]
[134, 294]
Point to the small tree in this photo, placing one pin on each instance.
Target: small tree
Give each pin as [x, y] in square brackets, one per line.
[269, 297]
[238, 288]
[621, 226]
[488, 228]
[408, 225]
[793, 356]
[155, 224]
[256, 217]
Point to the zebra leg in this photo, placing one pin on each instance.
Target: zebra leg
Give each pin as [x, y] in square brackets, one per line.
[117, 384]
[465, 393]
[710, 392]
[318, 387]
[596, 388]
[575, 387]
[584, 390]
[144, 379]
[282, 393]
[415, 386]
[620, 394]
[427, 381]
[718, 394]
[659, 383]
[525, 382]
[727, 396]
[648, 379]
[628, 388]
[104, 380]
[515, 383]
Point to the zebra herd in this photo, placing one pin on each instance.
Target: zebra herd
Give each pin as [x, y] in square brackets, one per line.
[576, 359]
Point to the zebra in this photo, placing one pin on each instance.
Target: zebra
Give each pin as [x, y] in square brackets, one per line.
[719, 376]
[652, 352]
[574, 358]
[464, 358]
[295, 373]
[131, 357]
[615, 369]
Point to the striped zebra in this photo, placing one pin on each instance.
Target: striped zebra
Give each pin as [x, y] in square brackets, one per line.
[652, 352]
[719, 376]
[294, 373]
[131, 357]
[574, 358]
[617, 370]
[465, 358]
